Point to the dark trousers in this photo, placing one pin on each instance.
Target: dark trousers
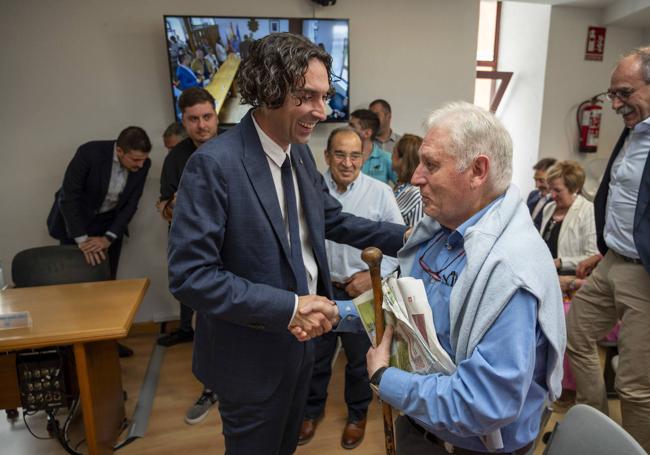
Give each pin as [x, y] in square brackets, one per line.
[358, 394]
[186, 318]
[272, 427]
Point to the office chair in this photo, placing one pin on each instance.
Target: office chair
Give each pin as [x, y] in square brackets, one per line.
[586, 430]
[57, 264]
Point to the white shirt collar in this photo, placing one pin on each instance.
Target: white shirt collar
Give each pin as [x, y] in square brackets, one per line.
[642, 126]
[115, 157]
[334, 186]
[272, 150]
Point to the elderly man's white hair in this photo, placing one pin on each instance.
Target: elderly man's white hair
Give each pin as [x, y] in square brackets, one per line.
[473, 131]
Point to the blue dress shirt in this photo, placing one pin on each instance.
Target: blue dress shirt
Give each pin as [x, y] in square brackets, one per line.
[502, 384]
[623, 196]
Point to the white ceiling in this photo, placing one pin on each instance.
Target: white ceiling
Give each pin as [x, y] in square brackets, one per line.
[622, 13]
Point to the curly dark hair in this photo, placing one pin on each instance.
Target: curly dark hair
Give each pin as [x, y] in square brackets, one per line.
[275, 67]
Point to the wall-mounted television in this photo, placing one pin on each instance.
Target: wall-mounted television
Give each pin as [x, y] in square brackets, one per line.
[206, 51]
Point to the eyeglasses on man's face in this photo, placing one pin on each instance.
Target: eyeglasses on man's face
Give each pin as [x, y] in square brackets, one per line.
[342, 156]
[623, 94]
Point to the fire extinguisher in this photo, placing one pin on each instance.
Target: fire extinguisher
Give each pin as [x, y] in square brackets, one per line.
[588, 118]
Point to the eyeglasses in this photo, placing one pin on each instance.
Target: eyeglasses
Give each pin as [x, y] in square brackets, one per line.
[622, 93]
[342, 156]
[450, 278]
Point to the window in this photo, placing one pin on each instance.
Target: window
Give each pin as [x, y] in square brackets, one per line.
[491, 84]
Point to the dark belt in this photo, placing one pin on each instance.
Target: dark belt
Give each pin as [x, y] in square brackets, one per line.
[631, 260]
[459, 450]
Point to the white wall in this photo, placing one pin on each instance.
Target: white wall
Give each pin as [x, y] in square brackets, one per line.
[570, 80]
[524, 33]
[75, 71]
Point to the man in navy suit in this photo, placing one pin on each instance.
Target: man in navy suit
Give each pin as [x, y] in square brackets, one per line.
[540, 196]
[247, 247]
[99, 196]
[619, 287]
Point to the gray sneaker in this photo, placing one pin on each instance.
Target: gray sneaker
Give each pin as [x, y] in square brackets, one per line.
[200, 409]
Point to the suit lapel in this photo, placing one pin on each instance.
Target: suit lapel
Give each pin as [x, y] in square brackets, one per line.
[257, 168]
[644, 193]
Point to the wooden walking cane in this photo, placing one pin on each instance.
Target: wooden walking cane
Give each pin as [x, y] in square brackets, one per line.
[372, 256]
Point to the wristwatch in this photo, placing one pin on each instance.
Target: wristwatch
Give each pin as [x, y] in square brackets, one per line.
[376, 379]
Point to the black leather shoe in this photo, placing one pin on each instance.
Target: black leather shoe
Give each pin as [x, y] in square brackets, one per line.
[176, 337]
[124, 351]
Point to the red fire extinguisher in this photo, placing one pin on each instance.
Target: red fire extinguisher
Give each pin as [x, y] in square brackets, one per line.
[588, 117]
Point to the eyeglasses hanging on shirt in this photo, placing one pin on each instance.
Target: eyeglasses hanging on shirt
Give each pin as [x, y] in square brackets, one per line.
[437, 275]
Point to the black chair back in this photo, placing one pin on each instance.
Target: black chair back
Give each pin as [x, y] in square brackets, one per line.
[57, 264]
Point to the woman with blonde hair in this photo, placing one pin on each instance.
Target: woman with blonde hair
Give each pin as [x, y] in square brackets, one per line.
[569, 229]
[568, 224]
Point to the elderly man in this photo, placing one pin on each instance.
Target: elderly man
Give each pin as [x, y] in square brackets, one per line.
[497, 312]
[372, 199]
[247, 247]
[619, 288]
[173, 134]
[386, 138]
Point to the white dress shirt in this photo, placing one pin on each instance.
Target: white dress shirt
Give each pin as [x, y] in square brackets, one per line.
[624, 191]
[368, 198]
[276, 156]
[119, 175]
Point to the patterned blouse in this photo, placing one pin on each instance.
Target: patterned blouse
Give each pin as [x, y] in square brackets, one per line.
[409, 202]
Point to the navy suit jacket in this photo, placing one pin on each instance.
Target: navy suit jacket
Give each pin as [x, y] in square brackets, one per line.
[533, 199]
[84, 189]
[229, 260]
[531, 202]
[641, 230]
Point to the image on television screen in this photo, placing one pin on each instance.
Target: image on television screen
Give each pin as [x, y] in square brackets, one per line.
[207, 52]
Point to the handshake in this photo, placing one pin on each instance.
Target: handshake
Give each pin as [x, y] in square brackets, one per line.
[315, 316]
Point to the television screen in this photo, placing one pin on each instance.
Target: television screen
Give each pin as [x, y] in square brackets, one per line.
[207, 51]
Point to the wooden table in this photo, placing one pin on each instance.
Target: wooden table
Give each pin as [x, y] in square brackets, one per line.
[90, 317]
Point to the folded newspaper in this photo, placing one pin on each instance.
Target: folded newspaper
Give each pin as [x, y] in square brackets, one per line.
[415, 347]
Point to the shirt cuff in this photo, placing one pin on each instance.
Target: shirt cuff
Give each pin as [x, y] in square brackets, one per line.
[394, 386]
[110, 234]
[295, 308]
[81, 239]
[350, 321]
